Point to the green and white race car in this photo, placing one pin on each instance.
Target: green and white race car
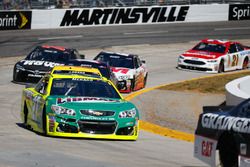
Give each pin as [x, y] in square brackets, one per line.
[79, 105]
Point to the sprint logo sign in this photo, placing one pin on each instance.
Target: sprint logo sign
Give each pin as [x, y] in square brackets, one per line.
[14, 20]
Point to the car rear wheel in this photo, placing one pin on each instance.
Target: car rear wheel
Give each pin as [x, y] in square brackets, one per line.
[25, 114]
[245, 63]
[15, 75]
[132, 86]
[44, 121]
[228, 151]
[221, 67]
[145, 81]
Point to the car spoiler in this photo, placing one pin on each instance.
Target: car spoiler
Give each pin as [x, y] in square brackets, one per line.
[211, 109]
[247, 47]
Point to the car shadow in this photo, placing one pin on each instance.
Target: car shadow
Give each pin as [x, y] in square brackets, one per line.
[22, 125]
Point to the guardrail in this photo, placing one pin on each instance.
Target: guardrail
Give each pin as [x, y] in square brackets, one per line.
[237, 90]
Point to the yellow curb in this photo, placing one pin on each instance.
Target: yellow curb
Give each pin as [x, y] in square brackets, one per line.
[166, 131]
[163, 131]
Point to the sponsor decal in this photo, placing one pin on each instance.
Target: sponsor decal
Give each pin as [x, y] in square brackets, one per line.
[98, 118]
[120, 70]
[205, 149]
[111, 16]
[244, 161]
[83, 99]
[35, 75]
[14, 20]
[28, 94]
[199, 54]
[239, 12]
[40, 63]
[97, 113]
[52, 120]
[222, 122]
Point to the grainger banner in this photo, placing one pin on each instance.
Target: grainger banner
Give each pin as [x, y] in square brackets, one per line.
[15, 20]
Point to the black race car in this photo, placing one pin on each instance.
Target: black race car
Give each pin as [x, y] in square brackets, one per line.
[40, 60]
[226, 129]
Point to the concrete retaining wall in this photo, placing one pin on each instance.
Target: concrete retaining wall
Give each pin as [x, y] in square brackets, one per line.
[238, 90]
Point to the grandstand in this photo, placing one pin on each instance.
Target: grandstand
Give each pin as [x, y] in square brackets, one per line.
[51, 4]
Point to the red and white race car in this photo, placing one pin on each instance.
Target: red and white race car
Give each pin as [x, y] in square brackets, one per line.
[215, 56]
[130, 71]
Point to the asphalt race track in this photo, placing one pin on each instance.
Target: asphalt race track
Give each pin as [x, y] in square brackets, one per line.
[158, 44]
[16, 43]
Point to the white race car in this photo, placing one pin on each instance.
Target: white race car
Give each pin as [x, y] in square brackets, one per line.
[129, 69]
[215, 56]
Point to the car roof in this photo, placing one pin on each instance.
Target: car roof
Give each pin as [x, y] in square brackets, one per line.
[60, 48]
[117, 53]
[217, 41]
[76, 70]
[92, 62]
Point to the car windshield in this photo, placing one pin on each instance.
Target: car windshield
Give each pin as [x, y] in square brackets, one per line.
[209, 47]
[103, 68]
[83, 87]
[48, 54]
[116, 60]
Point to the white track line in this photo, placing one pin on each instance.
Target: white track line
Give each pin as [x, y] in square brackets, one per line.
[233, 28]
[146, 32]
[63, 37]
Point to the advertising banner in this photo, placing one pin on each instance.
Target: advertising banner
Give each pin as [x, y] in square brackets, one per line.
[15, 20]
[87, 17]
[239, 12]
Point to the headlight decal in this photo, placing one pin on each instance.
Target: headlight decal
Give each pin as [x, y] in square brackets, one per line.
[181, 57]
[19, 67]
[64, 111]
[128, 113]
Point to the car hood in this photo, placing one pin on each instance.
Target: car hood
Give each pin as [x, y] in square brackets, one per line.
[93, 103]
[202, 54]
[38, 65]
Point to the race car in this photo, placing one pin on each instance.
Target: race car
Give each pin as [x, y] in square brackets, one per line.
[215, 56]
[226, 129]
[130, 71]
[41, 60]
[78, 105]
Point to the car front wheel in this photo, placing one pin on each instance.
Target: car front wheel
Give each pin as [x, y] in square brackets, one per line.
[221, 67]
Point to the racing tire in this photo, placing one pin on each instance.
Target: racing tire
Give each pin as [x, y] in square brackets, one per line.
[44, 119]
[145, 81]
[25, 114]
[132, 86]
[221, 67]
[245, 63]
[228, 151]
[15, 76]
